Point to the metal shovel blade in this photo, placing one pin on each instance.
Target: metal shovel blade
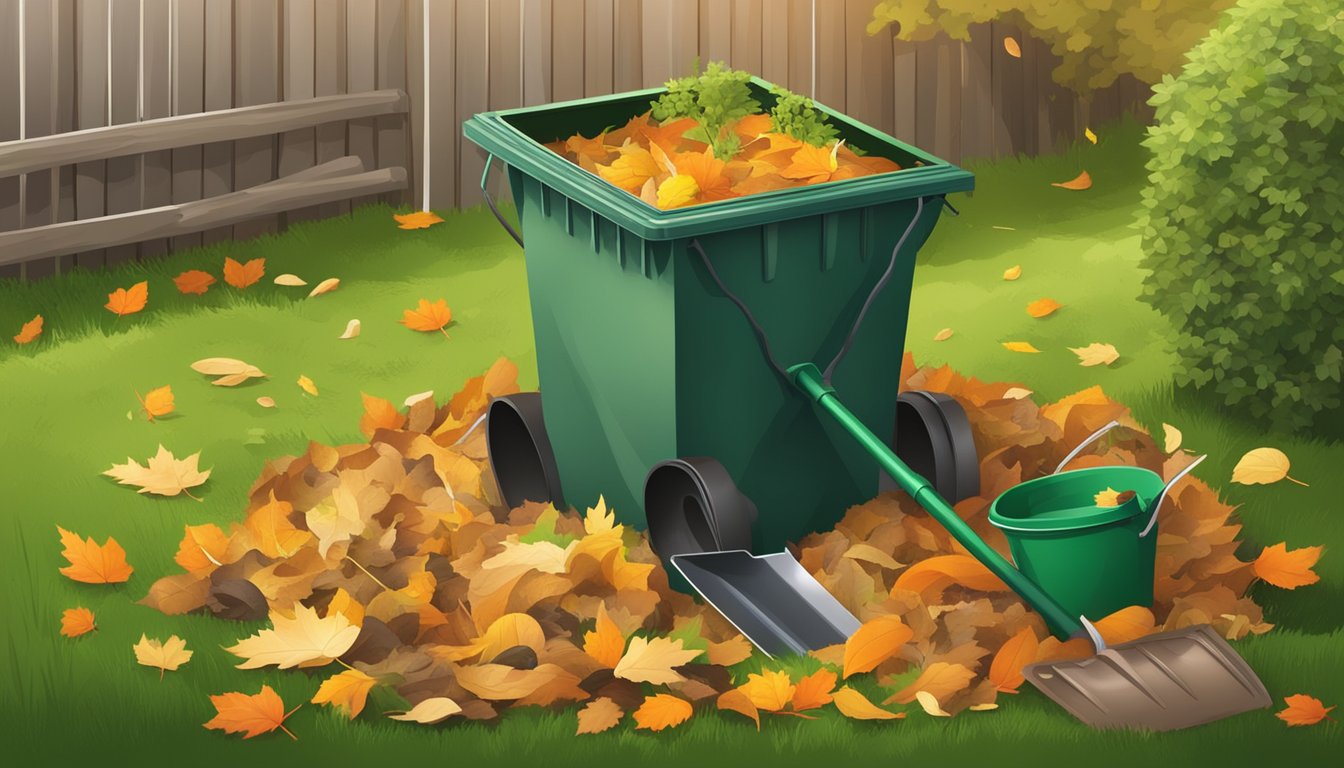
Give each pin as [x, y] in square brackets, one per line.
[771, 599]
[1162, 682]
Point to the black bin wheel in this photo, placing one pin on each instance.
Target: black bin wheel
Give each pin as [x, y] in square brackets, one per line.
[520, 452]
[692, 505]
[933, 437]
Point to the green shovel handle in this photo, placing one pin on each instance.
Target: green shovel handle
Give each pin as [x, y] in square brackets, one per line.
[808, 378]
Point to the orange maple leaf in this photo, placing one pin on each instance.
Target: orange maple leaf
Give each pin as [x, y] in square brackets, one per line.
[594, 149]
[128, 301]
[91, 563]
[669, 136]
[813, 165]
[707, 170]
[77, 621]
[242, 275]
[605, 644]
[379, 414]
[417, 220]
[662, 711]
[194, 281]
[1287, 570]
[30, 330]
[428, 317]
[253, 715]
[814, 690]
[156, 402]
[1304, 710]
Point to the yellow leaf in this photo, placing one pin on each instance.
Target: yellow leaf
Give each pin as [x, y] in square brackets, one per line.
[940, 679]
[1080, 182]
[1303, 710]
[1285, 569]
[508, 631]
[428, 712]
[1005, 671]
[266, 402]
[335, 519]
[856, 706]
[677, 191]
[599, 715]
[344, 604]
[347, 692]
[1042, 307]
[876, 641]
[652, 661]
[1171, 438]
[1020, 346]
[231, 372]
[930, 704]
[307, 385]
[541, 685]
[306, 640]
[736, 701]
[326, 286]
[30, 330]
[1096, 354]
[243, 275]
[128, 301]
[631, 170]
[253, 715]
[352, 329]
[1262, 466]
[163, 656]
[417, 220]
[1010, 45]
[605, 644]
[77, 621]
[599, 519]
[662, 711]
[1013, 272]
[156, 402]
[1107, 498]
[943, 335]
[770, 690]
[290, 280]
[163, 474]
[1089, 135]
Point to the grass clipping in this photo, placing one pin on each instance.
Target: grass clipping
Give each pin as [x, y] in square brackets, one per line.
[458, 598]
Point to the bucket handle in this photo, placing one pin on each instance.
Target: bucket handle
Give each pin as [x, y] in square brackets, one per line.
[1092, 438]
[490, 201]
[1152, 520]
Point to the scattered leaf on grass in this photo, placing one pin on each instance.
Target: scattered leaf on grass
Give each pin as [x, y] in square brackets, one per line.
[156, 402]
[939, 679]
[231, 372]
[243, 275]
[428, 712]
[930, 704]
[662, 711]
[194, 281]
[163, 474]
[266, 402]
[252, 715]
[1013, 272]
[128, 301]
[943, 335]
[1020, 346]
[1004, 229]
[290, 280]
[599, 715]
[347, 692]
[1171, 438]
[1303, 710]
[428, 317]
[1263, 466]
[1089, 135]
[91, 563]
[30, 330]
[326, 286]
[1287, 569]
[1042, 307]
[771, 690]
[352, 329]
[737, 701]
[77, 621]
[856, 706]
[164, 656]
[307, 385]
[417, 220]
[1096, 354]
[1080, 182]
[1010, 45]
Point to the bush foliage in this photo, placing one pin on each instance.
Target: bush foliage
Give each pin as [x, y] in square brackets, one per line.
[1243, 223]
[1096, 40]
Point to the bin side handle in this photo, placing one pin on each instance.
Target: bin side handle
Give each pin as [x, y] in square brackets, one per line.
[490, 201]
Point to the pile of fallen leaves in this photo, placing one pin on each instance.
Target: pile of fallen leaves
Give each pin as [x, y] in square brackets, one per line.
[659, 164]
[394, 562]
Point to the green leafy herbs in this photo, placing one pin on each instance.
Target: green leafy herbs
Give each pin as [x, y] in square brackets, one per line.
[797, 116]
[714, 99]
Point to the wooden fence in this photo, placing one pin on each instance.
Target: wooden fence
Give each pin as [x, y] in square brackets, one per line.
[77, 65]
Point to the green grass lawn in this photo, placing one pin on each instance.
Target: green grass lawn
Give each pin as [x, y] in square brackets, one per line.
[67, 398]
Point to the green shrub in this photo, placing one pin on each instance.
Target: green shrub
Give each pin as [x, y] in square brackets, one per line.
[1243, 227]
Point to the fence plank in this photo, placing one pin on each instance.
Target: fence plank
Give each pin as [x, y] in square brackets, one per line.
[393, 139]
[329, 80]
[188, 97]
[298, 148]
[415, 87]
[716, 31]
[11, 216]
[1032, 51]
[40, 89]
[123, 173]
[217, 157]
[91, 83]
[567, 42]
[537, 52]
[947, 109]
[599, 47]
[473, 36]
[1006, 89]
[977, 128]
[775, 41]
[905, 84]
[257, 81]
[670, 38]
[831, 57]
[361, 73]
[869, 72]
[64, 45]
[506, 75]
[747, 35]
[926, 93]
[628, 52]
[156, 82]
[443, 156]
[802, 48]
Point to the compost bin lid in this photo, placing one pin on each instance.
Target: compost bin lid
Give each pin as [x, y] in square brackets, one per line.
[500, 134]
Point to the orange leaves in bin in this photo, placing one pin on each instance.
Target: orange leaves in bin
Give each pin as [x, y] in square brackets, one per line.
[658, 164]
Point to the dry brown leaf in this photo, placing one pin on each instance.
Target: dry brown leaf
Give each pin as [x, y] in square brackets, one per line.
[599, 715]
[940, 679]
[737, 701]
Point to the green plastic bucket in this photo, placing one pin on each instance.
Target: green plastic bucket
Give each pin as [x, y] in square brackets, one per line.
[1091, 559]
[642, 359]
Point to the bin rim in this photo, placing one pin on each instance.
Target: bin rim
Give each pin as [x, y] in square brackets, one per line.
[1085, 518]
[493, 132]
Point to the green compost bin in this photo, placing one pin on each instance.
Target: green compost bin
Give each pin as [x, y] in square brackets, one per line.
[641, 358]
